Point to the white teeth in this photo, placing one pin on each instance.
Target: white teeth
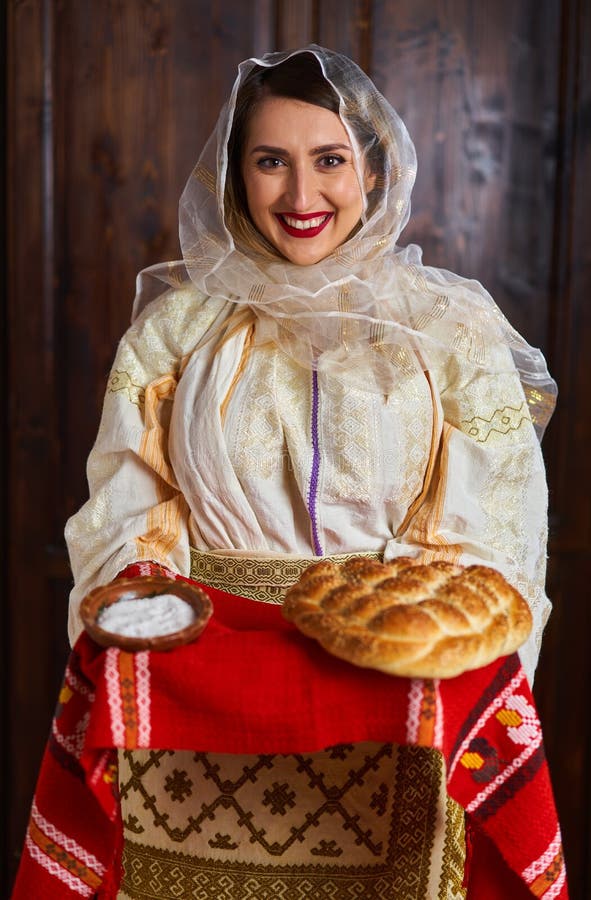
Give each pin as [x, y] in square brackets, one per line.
[304, 224]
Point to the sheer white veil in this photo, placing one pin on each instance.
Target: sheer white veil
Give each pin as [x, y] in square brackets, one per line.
[371, 312]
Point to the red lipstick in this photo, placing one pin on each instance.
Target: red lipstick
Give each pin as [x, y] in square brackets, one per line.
[287, 220]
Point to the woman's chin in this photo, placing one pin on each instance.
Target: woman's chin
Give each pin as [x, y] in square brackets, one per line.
[302, 255]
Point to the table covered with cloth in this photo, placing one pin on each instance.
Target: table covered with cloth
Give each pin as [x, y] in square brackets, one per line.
[252, 683]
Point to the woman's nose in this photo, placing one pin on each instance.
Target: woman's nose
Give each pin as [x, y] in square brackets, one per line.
[302, 189]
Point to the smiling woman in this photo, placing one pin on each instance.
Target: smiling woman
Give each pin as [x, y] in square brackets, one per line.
[303, 196]
[300, 387]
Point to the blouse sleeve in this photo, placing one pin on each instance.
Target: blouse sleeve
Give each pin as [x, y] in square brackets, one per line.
[135, 510]
[485, 497]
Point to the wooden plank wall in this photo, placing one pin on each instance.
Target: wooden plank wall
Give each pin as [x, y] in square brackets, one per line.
[108, 106]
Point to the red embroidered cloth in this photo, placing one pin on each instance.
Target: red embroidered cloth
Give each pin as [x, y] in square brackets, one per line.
[253, 684]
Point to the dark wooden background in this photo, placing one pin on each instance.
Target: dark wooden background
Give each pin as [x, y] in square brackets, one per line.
[108, 106]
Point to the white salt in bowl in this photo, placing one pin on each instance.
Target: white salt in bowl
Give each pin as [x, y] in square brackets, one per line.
[166, 602]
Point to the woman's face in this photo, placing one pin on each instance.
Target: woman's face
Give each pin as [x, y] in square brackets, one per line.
[302, 189]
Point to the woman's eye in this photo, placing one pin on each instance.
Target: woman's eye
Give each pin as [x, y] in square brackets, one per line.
[269, 162]
[331, 161]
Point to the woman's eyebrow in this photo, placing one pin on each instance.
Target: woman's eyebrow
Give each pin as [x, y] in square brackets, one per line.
[328, 148]
[281, 151]
[274, 151]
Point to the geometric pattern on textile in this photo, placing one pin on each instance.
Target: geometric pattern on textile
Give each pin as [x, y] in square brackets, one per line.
[63, 856]
[506, 710]
[351, 821]
[546, 876]
[265, 579]
[454, 854]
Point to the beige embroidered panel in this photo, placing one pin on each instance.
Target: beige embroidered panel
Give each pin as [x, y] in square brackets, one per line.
[364, 820]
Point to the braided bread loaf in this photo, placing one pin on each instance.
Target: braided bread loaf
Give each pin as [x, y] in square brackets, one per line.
[417, 621]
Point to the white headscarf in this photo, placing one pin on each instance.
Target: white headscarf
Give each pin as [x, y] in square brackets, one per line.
[371, 311]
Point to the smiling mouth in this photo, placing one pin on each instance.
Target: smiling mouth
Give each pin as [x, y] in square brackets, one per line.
[308, 225]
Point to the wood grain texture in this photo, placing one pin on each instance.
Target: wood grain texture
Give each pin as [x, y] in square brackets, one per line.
[562, 691]
[477, 87]
[564, 682]
[348, 33]
[296, 23]
[108, 107]
[32, 494]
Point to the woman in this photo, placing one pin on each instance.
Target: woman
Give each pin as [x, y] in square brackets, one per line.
[300, 387]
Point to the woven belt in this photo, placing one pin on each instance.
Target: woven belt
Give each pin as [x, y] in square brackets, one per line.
[263, 578]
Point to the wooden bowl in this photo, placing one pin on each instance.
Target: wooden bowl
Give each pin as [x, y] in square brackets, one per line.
[136, 588]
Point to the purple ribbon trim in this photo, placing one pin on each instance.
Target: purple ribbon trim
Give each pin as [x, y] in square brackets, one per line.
[313, 489]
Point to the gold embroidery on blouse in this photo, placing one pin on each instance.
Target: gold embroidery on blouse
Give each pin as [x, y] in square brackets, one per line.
[351, 449]
[502, 421]
[502, 499]
[238, 373]
[122, 381]
[256, 442]
[408, 425]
